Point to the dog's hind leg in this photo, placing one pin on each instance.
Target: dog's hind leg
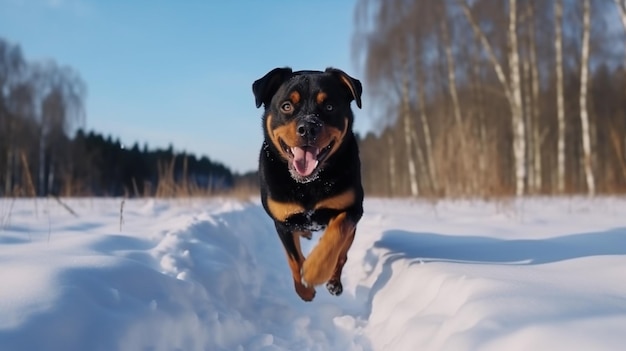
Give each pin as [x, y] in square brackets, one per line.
[320, 266]
[334, 285]
[295, 258]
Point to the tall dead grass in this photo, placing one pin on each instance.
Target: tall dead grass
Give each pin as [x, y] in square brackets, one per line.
[167, 185]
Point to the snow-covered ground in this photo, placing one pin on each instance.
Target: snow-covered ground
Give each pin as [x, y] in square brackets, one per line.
[527, 274]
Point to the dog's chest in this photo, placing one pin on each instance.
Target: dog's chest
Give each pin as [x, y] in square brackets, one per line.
[310, 220]
[314, 216]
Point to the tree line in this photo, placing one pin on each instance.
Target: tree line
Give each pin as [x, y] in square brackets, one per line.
[493, 97]
[44, 151]
[471, 98]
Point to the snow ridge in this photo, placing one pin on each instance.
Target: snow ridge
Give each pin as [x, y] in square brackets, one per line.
[212, 275]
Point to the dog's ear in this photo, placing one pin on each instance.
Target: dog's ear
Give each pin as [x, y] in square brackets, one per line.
[265, 88]
[353, 84]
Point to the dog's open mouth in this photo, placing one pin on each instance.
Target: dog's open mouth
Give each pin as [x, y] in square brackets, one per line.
[305, 159]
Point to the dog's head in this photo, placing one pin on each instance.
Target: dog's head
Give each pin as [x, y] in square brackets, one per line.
[307, 116]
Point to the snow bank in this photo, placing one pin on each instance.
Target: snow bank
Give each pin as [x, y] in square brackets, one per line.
[211, 275]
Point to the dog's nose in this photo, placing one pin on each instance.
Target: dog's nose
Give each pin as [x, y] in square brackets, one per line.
[308, 129]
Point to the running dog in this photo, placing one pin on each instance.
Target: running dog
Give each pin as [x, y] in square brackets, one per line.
[309, 169]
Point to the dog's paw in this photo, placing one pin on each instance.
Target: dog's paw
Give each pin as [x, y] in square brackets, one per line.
[306, 293]
[315, 274]
[334, 287]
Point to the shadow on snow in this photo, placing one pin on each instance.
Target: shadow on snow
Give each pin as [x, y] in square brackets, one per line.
[431, 247]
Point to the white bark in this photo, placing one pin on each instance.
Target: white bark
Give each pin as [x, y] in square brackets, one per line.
[482, 128]
[421, 159]
[406, 118]
[534, 70]
[519, 132]
[432, 172]
[584, 114]
[560, 106]
[512, 88]
[528, 102]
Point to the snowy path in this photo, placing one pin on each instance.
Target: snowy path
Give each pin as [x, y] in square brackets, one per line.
[211, 275]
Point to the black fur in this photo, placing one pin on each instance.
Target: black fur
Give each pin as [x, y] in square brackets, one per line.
[338, 173]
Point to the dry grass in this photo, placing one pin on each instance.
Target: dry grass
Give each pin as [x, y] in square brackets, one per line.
[167, 186]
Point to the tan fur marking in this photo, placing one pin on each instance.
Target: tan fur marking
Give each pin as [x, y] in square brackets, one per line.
[268, 127]
[347, 83]
[319, 267]
[294, 97]
[338, 136]
[285, 132]
[343, 258]
[283, 210]
[305, 293]
[338, 202]
[321, 96]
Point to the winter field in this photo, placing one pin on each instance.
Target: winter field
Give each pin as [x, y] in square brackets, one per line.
[526, 274]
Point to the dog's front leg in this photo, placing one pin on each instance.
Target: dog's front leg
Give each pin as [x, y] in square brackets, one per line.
[334, 285]
[295, 258]
[320, 266]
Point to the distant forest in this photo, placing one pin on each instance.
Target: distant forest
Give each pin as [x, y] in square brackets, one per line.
[44, 152]
[469, 98]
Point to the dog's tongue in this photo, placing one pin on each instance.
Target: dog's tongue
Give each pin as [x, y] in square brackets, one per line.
[304, 159]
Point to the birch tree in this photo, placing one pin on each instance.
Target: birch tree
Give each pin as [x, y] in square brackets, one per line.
[537, 134]
[406, 121]
[584, 113]
[560, 105]
[429, 163]
[511, 85]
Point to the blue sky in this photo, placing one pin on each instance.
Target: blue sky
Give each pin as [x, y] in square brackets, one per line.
[167, 72]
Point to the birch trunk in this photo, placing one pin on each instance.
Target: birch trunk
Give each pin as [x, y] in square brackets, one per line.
[482, 128]
[432, 171]
[527, 98]
[584, 114]
[560, 106]
[534, 108]
[519, 132]
[421, 159]
[512, 88]
[406, 118]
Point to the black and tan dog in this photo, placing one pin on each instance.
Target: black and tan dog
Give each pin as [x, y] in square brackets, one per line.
[309, 167]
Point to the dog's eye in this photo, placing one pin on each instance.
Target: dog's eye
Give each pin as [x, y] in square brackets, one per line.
[329, 107]
[286, 107]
